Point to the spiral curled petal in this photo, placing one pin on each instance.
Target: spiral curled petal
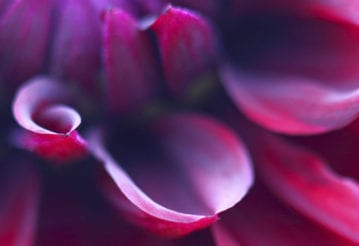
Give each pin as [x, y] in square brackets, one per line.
[49, 126]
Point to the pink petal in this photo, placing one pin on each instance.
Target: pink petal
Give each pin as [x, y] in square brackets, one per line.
[49, 125]
[19, 196]
[23, 37]
[77, 41]
[129, 60]
[200, 170]
[261, 220]
[187, 45]
[306, 182]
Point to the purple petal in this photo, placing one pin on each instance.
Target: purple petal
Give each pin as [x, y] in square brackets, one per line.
[77, 41]
[24, 32]
[49, 125]
[129, 60]
[19, 202]
[188, 47]
[202, 169]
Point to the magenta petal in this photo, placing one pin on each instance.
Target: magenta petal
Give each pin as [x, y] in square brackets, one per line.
[187, 45]
[291, 105]
[129, 61]
[306, 182]
[49, 125]
[23, 35]
[19, 200]
[261, 220]
[77, 41]
[205, 171]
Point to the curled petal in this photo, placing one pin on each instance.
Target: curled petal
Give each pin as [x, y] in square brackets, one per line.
[49, 125]
[188, 47]
[306, 182]
[19, 196]
[23, 37]
[201, 169]
[129, 62]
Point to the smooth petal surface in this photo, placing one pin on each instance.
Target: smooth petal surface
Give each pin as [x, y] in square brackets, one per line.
[306, 182]
[19, 201]
[77, 45]
[188, 47]
[129, 63]
[49, 125]
[24, 31]
[261, 220]
[199, 169]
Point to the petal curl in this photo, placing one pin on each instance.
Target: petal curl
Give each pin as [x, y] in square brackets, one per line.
[19, 196]
[129, 63]
[188, 47]
[23, 39]
[201, 169]
[49, 125]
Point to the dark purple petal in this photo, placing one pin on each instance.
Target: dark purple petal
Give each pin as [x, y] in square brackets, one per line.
[19, 202]
[129, 62]
[24, 31]
[49, 126]
[76, 49]
[202, 169]
[188, 47]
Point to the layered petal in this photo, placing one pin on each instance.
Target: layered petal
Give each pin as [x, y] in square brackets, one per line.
[129, 62]
[24, 29]
[195, 168]
[19, 202]
[49, 126]
[188, 47]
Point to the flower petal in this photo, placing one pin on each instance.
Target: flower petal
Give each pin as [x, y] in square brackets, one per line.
[76, 50]
[19, 196]
[201, 170]
[188, 47]
[260, 212]
[49, 125]
[129, 62]
[306, 182]
[23, 37]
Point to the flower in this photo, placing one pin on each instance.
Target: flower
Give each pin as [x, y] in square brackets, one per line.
[128, 122]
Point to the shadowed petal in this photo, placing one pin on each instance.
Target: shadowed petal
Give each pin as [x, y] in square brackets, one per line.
[49, 125]
[19, 200]
[188, 47]
[261, 220]
[200, 170]
[77, 41]
[129, 63]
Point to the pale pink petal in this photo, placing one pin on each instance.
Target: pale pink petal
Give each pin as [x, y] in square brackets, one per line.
[24, 31]
[188, 47]
[195, 169]
[261, 220]
[129, 63]
[49, 126]
[19, 202]
[76, 52]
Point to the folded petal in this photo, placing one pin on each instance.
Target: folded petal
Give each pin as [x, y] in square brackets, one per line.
[19, 202]
[306, 182]
[49, 126]
[261, 220]
[77, 45]
[188, 47]
[129, 63]
[195, 168]
[24, 29]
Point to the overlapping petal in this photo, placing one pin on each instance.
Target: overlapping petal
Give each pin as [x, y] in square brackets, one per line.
[49, 126]
[19, 204]
[188, 47]
[200, 170]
